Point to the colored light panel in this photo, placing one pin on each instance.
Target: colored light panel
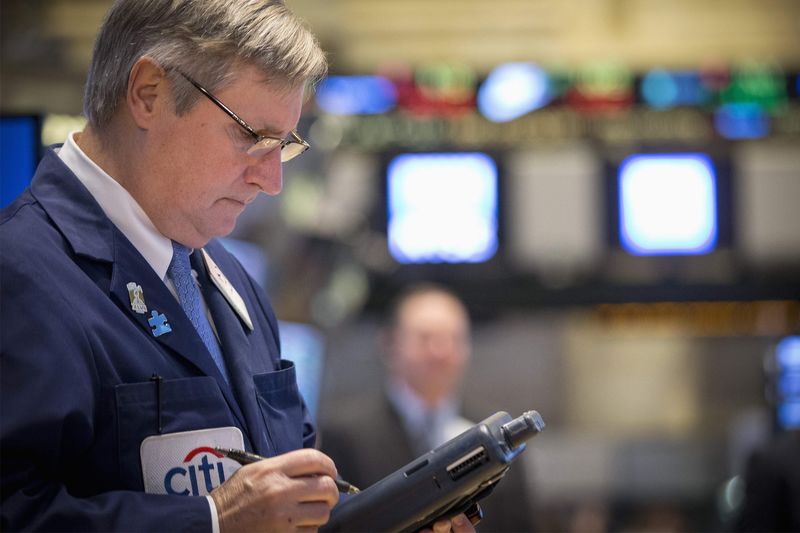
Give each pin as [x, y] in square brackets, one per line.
[659, 89]
[513, 90]
[663, 89]
[442, 207]
[356, 95]
[667, 204]
[741, 121]
[757, 83]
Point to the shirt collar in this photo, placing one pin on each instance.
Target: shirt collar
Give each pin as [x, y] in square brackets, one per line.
[120, 207]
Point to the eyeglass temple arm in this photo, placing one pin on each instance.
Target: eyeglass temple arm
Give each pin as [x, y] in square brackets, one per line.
[222, 106]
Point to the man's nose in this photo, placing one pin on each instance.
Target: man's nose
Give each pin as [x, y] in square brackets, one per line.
[266, 171]
[440, 347]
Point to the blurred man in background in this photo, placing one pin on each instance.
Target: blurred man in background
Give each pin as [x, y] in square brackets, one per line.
[772, 486]
[428, 350]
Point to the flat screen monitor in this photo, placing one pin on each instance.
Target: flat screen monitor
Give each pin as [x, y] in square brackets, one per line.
[20, 150]
[442, 207]
[668, 204]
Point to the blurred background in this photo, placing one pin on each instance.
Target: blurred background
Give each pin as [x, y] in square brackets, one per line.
[613, 187]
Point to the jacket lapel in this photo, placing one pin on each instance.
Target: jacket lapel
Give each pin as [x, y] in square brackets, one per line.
[164, 320]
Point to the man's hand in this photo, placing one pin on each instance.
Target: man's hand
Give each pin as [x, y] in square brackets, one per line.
[457, 524]
[294, 491]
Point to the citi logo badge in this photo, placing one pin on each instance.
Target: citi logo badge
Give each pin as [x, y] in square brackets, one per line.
[201, 472]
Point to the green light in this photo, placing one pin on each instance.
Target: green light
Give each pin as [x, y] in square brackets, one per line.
[605, 80]
[756, 83]
[446, 82]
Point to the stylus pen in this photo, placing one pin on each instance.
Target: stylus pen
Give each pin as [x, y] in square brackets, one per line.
[245, 458]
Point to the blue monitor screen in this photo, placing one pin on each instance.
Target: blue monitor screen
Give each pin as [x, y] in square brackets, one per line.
[442, 207]
[19, 155]
[787, 357]
[304, 345]
[667, 204]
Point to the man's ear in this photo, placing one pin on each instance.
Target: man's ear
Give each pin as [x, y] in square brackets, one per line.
[147, 91]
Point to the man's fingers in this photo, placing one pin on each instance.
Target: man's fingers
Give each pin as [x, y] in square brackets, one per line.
[306, 462]
[457, 524]
[263, 496]
[317, 489]
[462, 524]
[441, 526]
[313, 514]
[301, 476]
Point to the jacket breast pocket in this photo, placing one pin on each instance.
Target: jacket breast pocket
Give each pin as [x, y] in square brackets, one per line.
[281, 407]
[181, 405]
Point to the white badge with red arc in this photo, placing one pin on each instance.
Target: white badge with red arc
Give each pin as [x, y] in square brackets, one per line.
[186, 463]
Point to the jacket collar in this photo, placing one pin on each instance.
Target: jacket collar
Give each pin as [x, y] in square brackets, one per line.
[72, 209]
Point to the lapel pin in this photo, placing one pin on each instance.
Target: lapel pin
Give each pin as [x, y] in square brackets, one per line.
[158, 321]
[136, 295]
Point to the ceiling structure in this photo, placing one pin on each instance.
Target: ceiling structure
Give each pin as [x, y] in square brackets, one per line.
[639, 33]
[46, 44]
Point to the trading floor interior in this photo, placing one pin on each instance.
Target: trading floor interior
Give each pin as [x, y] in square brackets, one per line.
[503, 149]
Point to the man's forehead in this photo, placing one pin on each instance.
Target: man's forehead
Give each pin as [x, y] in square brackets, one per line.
[432, 310]
[269, 106]
[433, 300]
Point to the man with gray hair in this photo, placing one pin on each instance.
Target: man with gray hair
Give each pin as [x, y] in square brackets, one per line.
[133, 345]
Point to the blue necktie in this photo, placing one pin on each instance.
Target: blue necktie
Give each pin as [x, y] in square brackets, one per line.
[180, 272]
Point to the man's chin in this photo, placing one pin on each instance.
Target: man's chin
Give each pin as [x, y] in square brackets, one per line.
[221, 230]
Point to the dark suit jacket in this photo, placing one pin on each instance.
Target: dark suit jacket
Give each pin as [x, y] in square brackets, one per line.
[367, 442]
[772, 493]
[76, 394]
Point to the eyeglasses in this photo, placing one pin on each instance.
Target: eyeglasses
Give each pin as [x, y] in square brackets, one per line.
[292, 146]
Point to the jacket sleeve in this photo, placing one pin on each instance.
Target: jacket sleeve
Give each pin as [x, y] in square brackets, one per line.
[49, 391]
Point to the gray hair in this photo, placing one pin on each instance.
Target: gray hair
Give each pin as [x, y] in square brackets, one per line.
[203, 38]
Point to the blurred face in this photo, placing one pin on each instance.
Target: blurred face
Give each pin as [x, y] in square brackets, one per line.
[430, 346]
[200, 176]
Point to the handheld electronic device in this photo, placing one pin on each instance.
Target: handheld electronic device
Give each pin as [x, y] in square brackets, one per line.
[442, 483]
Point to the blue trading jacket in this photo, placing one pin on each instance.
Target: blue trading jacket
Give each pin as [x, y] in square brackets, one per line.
[76, 394]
